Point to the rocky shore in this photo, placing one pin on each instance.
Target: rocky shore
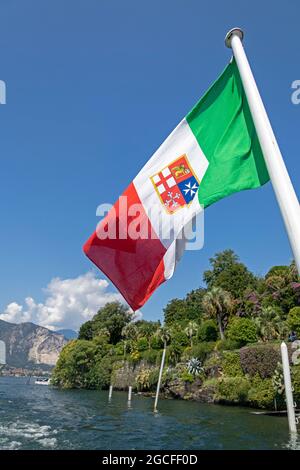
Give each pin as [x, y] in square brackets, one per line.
[246, 377]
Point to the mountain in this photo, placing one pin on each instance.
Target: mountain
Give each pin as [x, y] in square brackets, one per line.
[68, 334]
[28, 344]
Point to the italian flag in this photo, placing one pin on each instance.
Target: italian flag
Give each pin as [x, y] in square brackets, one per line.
[212, 153]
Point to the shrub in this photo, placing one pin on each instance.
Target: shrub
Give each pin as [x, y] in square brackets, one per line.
[150, 355]
[208, 331]
[143, 379]
[242, 330]
[226, 345]
[187, 376]
[179, 339]
[168, 375]
[261, 393]
[231, 364]
[260, 359]
[202, 350]
[156, 342]
[233, 389]
[279, 387]
[174, 352]
[293, 319]
[187, 354]
[153, 378]
[134, 356]
[296, 383]
[147, 379]
[119, 349]
[142, 344]
[213, 360]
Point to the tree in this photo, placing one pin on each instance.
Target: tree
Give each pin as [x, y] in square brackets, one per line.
[191, 330]
[193, 302]
[242, 331]
[229, 273]
[100, 374]
[75, 361]
[217, 303]
[175, 311]
[281, 288]
[129, 335]
[147, 329]
[293, 319]
[281, 271]
[86, 331]
[113, 316]
[269, 324]
[208, 331]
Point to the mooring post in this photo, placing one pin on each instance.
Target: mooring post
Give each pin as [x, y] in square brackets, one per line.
[110, 392]
[129, 393]
[288, 388]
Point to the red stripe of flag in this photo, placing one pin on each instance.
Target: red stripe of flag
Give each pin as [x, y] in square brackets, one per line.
[135, 267]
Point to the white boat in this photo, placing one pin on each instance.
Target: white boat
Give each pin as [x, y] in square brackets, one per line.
[42, 381]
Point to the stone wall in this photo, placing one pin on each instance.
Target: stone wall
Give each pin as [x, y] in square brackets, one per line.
[125, 375]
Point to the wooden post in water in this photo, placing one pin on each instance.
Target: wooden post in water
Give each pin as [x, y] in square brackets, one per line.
[129, 393]
[110, 392]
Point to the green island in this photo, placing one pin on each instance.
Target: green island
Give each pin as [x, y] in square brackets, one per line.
[223, 341]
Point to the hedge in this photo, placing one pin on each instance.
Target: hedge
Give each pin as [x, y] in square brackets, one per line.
[233, 390]
[231, 364]
[261, 393]
[260, 359]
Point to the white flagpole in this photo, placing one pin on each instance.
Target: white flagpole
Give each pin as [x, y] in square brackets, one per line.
[288, 387]
[282, 185]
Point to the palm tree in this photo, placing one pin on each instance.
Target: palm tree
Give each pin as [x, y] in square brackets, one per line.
[191, 330]
[293, 272]
[130, 331]
[217, 303]
[164, 334]
[270, 325]
[129, 334]
[147, 330]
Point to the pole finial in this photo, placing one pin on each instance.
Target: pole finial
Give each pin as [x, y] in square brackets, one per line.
[234, 31]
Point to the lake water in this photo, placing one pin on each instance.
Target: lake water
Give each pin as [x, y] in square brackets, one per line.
[41, 417]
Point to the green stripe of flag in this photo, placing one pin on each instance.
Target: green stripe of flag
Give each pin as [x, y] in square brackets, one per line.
[223, 126]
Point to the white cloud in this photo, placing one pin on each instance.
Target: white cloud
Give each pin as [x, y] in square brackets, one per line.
[68, 303]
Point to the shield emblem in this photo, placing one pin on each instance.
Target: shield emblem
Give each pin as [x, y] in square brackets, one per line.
[176, 184]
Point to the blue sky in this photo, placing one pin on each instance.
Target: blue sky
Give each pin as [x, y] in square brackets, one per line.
[93, 88]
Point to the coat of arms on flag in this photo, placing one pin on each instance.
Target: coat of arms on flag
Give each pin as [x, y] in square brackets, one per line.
[176, 184]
